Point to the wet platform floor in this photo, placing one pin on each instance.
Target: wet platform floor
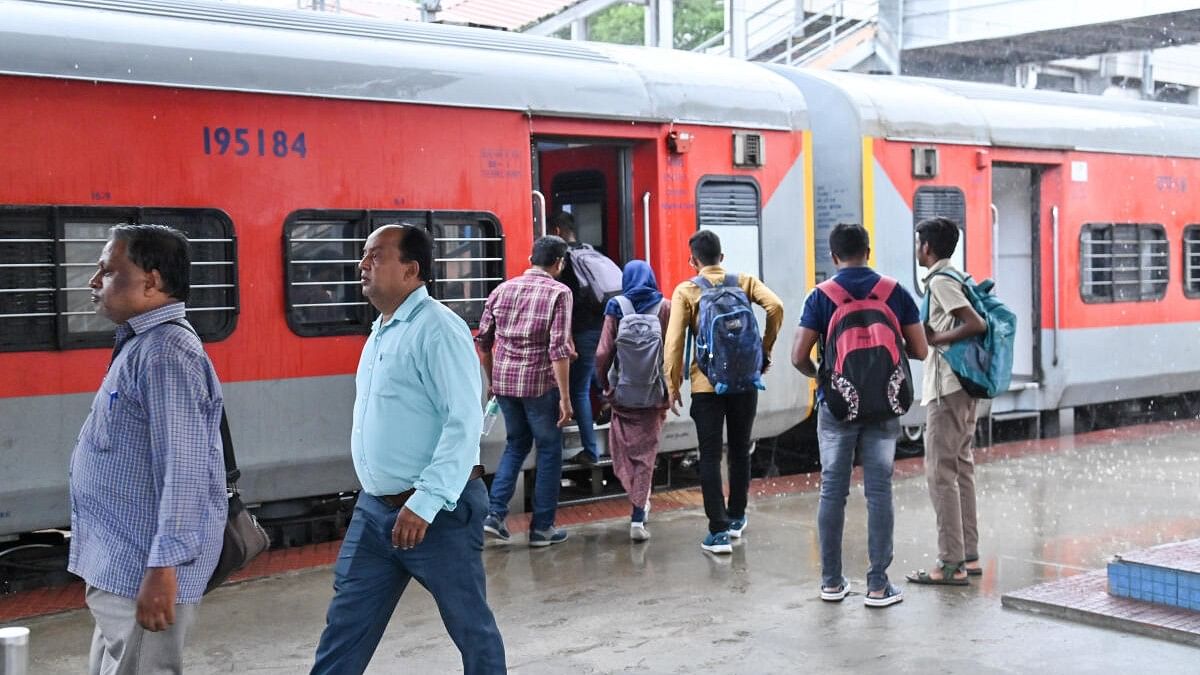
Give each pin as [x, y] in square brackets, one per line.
[599, 603]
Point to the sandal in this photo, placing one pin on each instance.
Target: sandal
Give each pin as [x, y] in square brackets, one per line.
[947, 579]
[973, 571]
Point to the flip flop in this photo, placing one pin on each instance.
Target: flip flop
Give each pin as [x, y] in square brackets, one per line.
[973, 571]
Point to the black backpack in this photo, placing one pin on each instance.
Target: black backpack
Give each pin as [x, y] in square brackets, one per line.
[864, 366]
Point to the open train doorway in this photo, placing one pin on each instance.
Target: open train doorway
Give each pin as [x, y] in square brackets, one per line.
[593, 181]
[1015, 219]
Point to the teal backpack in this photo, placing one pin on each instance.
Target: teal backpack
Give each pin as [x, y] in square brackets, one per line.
[983, 364]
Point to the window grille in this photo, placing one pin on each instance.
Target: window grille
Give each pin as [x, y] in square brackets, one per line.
[1191, 261]
[323, 248]
[48, 256]
[940, 202]
[1123, 262]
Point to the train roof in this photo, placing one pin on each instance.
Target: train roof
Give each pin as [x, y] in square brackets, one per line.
[208, 45]
[908, 108]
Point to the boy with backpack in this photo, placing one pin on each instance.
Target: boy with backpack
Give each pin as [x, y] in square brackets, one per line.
[711, 312]
[950, 409]
[866, 325]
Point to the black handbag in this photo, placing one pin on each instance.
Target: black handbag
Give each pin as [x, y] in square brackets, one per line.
[245, 539]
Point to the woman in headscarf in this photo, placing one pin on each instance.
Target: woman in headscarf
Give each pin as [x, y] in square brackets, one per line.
[634, 435]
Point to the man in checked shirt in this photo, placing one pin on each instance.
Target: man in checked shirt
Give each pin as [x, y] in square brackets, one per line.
[148, 502]
[525, 344]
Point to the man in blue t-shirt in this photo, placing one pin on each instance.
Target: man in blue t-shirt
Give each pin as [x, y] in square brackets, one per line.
[876, 441]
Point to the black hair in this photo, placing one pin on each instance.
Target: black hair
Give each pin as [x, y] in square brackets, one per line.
[706, 247]
[940, 233]
[562, 221]
[548, 250]
[849, 241]
[416, 245]
[162, 248]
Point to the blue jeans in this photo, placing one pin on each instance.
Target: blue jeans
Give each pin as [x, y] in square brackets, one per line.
[528, 420]
[370, 576]
[876, 443]
[582, 370]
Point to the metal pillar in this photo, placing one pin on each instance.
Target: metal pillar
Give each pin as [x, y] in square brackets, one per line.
[579, 29]
[14, 651]
[735, 23]
[660, 23]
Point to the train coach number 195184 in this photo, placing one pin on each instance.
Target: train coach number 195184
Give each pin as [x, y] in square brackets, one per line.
[242, 141]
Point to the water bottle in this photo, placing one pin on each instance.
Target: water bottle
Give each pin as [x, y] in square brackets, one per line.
[490, 413]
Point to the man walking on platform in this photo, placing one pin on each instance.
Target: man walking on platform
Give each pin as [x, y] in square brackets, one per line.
[895, 320]
[949, 410]
[717, 413]
[525, 343]
[148, 502]
[415, 445]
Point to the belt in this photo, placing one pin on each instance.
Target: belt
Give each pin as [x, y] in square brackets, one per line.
[399, 500]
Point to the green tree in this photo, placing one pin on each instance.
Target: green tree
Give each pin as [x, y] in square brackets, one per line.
[695, 22]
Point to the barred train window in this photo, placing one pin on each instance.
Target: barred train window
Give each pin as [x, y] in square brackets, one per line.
[1123, 262]
[1191, 261]
[940, 202]
[48, 254]
[323, 249]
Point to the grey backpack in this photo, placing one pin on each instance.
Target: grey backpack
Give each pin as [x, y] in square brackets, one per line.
[636, 374]
[599, 277]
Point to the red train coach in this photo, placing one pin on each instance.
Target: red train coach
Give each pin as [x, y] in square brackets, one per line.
[279, 140]
[1082, 208]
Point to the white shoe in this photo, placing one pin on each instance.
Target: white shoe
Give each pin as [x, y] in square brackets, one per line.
[638, 532]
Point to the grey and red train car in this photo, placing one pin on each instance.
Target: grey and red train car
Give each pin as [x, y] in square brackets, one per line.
[278, 140]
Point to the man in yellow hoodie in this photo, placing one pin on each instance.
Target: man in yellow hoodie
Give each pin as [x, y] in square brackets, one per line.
[714, 413]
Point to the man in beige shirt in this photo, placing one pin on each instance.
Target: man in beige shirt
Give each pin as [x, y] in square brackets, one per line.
[950, 411]
[712, 412]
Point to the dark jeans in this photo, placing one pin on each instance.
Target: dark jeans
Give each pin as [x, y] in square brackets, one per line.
[712, 413]
[876, 444]
[528, 420]
[370, 576]
[582, 369]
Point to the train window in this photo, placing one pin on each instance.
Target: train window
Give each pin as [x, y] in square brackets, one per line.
[468, 261]
[48, 255]
[1123, 262]
[730, 207]
[940, 202]
[322, 250]
[1191, 261]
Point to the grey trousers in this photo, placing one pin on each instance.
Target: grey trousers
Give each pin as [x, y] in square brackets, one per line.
[122, 647]
[950, 474]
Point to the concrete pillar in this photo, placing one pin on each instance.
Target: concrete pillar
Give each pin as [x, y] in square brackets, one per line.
[1148, 75]
[666, 23]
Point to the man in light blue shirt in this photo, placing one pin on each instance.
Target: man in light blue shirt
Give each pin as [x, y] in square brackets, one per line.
[415, 444]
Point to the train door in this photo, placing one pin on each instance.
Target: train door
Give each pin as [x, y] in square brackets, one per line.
[604, 184]
[1015, 218]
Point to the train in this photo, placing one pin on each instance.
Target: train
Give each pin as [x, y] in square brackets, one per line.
[278, 140]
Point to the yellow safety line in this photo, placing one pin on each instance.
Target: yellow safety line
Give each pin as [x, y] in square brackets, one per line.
[868, 192]
[810, 240]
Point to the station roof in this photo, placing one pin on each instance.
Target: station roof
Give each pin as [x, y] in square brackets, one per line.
[237, 48]
[907, 108]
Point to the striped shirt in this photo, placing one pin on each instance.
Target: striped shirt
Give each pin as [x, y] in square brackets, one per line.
[147, 474]
[527, 324]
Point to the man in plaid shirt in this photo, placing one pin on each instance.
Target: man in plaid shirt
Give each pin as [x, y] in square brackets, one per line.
[525, 344]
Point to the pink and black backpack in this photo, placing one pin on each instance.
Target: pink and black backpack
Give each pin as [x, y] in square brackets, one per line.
[864, 366]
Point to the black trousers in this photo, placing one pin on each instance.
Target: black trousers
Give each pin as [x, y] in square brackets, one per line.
[712, 414]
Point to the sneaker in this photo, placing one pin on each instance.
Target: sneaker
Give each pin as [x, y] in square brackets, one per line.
[836, 593]
[638, 531]
[717, 542]
[539, 538]
[736, 527]
[891, 595]
[495, 527]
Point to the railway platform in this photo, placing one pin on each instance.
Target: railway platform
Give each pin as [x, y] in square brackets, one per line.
[1050, 510]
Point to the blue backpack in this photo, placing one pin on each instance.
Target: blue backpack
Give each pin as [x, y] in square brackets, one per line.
[728, 344]
[983, 363]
